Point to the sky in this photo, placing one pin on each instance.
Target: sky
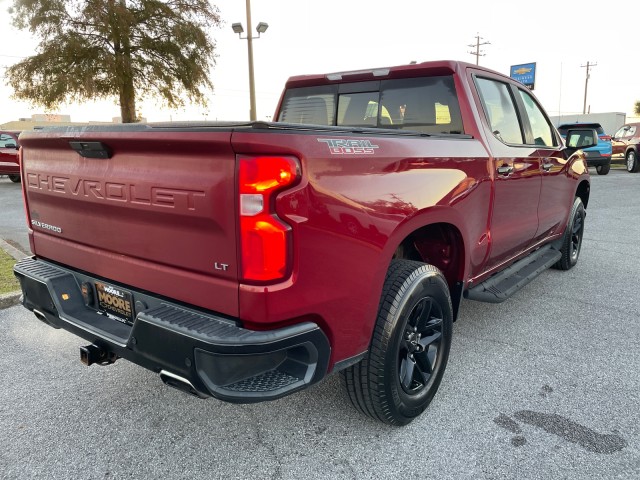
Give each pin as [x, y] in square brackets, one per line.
[306, 37]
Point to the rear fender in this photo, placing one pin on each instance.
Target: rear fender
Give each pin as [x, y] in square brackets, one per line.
[431, 216]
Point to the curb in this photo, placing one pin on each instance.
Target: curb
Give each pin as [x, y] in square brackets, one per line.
[11, 250]
[12, 298]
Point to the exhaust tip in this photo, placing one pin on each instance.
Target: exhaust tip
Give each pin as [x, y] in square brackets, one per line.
[180, 383]
[51, 320]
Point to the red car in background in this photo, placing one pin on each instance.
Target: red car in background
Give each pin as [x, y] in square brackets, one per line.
[9, 146]
[626, 146]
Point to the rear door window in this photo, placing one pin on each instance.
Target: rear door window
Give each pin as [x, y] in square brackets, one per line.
[500, 109]
[540, 126]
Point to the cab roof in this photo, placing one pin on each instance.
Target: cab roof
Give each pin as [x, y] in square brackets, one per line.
[440, 67]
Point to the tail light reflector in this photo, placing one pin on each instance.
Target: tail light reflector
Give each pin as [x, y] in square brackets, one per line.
[265, 240]
[606, 138]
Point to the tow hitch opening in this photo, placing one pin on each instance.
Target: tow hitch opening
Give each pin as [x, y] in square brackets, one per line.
[91, 354]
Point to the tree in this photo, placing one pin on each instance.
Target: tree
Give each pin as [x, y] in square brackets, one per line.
[636, 108]
[125, 49]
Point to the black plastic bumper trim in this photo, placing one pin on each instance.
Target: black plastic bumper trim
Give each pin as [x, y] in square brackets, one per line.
[212, 354]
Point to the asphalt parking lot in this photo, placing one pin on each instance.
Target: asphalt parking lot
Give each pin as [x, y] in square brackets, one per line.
[545, 385]
[13, 227]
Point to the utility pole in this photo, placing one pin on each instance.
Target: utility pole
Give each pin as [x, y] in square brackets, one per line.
[586, 84]
[477, 53]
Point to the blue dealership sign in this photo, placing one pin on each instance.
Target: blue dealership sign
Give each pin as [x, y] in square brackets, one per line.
[525, 74]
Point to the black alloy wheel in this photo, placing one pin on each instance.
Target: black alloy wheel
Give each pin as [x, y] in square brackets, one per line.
[420, 346]
[632, 162]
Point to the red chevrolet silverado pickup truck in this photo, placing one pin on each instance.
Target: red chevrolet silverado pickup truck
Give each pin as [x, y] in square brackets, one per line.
[247, 261]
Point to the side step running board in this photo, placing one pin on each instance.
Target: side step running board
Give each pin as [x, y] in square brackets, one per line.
[498, 288]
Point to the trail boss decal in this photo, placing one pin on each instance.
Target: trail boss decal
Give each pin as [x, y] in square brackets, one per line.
[338, 146]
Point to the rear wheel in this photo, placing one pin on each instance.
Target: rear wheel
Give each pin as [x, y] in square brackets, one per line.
[15, 178]
[632, 162]
[603, 169]
[572, 240]
[409, 350]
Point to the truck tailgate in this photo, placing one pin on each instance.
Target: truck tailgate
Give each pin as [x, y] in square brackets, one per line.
[153, 207]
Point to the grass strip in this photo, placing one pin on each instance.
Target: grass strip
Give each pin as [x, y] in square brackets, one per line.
[8, 282]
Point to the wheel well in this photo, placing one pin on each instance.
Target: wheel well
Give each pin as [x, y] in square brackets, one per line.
[440, 245]
[583, 192]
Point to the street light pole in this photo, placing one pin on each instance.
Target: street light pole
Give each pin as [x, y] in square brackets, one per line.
[252, 84]
[239, 29]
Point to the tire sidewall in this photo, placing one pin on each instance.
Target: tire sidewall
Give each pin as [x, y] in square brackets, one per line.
[576, 211]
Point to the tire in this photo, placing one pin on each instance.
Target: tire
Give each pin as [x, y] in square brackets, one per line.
[603, 169]
[15, 178]
[632, 162]
[410, 346]
[572, 239]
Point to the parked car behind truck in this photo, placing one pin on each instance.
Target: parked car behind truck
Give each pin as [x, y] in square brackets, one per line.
[247, 261]
[9, 147]
[598, 156]
[625, 144]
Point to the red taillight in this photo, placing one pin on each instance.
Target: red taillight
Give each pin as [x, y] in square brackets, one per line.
[606, 138]
[265, 239]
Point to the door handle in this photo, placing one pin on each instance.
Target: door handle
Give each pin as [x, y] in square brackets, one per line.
[547, 166]
[505, 169]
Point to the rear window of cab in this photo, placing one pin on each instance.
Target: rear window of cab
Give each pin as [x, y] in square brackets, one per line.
[564, 128]
[426, 104]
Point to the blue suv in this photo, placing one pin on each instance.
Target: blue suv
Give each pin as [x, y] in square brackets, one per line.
[598, 156]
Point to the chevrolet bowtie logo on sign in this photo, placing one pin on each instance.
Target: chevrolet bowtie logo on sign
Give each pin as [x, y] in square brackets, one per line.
[525, 74]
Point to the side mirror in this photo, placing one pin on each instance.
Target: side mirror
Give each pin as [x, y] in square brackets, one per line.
[580, 138]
